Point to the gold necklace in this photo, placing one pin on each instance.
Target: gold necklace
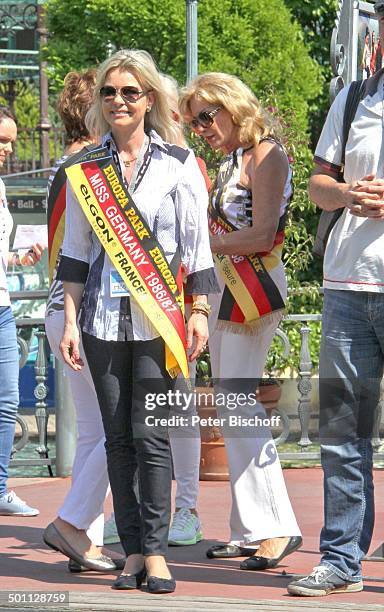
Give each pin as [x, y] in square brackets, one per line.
[127, 162]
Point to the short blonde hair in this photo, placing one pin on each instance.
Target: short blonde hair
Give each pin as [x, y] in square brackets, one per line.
[141, 64]
[228, 91]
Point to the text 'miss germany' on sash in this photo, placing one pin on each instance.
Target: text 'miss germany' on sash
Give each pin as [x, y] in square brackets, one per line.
[133, 251]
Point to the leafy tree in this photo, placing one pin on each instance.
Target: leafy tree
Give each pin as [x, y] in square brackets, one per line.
[27, 112]
[317, 20]
[234, 36]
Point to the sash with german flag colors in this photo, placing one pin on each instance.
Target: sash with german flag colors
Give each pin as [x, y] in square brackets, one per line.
[56, 209]
[133, 250]
[249, 293]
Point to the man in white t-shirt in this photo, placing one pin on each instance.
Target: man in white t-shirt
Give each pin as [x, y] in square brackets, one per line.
[352, 349]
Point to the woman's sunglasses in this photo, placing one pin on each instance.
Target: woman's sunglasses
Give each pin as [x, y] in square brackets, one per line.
[204, 118]
[131, 94]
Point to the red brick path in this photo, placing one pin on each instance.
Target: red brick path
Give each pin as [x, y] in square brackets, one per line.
[26, 563]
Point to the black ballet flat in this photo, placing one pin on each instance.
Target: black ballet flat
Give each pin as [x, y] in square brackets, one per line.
[161, 585]
[228, 551]
[127, 582]
[261, 563]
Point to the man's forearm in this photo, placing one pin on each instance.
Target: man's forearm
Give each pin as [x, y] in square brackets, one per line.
[327, 193]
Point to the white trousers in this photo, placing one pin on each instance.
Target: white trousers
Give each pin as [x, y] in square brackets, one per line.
[186, 448]
[186, 466]
[261, 507]
[83, 505]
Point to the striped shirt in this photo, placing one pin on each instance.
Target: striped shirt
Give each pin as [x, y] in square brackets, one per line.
[172, 197]
[55, 300]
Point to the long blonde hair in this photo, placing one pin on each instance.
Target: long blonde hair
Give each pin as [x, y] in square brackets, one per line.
[141, 64]
[171, 90]
[228, 91]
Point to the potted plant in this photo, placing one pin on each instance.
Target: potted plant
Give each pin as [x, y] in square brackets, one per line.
[213, 462]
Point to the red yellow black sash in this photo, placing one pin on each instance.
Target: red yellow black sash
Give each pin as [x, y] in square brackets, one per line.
[250, 293]
[133, 250]
[56, 209]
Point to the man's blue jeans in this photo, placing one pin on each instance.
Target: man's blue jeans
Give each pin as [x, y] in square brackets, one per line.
[351, 368]
[9, 390]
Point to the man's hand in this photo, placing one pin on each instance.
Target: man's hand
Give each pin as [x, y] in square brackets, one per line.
[366, 198]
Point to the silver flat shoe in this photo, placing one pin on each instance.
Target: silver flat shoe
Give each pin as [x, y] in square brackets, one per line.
[55, 540]
[75, 568]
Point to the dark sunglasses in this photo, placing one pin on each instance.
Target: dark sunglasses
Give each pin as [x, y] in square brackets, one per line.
[131, 94]
[204, 118]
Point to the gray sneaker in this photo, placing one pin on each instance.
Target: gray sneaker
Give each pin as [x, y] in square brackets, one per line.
[185, 529]
[322, 581]
[110, 531]
[11, 505]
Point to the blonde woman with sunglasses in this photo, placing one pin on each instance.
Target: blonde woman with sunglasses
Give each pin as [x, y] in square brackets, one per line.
[247, 212]
[125, 350]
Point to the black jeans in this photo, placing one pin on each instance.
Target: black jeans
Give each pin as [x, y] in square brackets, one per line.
[123, 372]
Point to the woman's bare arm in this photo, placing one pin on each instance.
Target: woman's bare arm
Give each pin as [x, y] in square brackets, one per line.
[267, 171]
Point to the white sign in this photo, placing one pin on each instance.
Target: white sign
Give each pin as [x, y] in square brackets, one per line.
[28, 235]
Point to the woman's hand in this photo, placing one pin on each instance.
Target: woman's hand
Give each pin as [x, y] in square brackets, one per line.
[197, 328]
[69, 347]
[26, 258]
[32, 256]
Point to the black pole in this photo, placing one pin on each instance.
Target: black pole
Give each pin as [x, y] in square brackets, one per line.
[44, 124]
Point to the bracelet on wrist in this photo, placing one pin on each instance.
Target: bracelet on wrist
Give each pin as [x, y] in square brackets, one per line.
[201, 306]
[198, 311]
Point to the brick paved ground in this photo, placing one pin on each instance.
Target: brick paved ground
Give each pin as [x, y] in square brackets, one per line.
[26, 563]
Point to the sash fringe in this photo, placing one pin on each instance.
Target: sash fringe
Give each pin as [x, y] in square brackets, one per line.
[251, 329]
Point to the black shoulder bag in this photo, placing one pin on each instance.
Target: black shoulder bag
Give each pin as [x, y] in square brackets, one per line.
[328, 218]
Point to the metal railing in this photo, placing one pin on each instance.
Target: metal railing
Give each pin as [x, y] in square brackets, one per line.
[302, 415]
[40, 390]
[65, 425]
[26, 154]
[305, 411]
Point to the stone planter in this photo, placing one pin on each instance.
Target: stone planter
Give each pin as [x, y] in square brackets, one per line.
[213, 462]
[269, 393]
